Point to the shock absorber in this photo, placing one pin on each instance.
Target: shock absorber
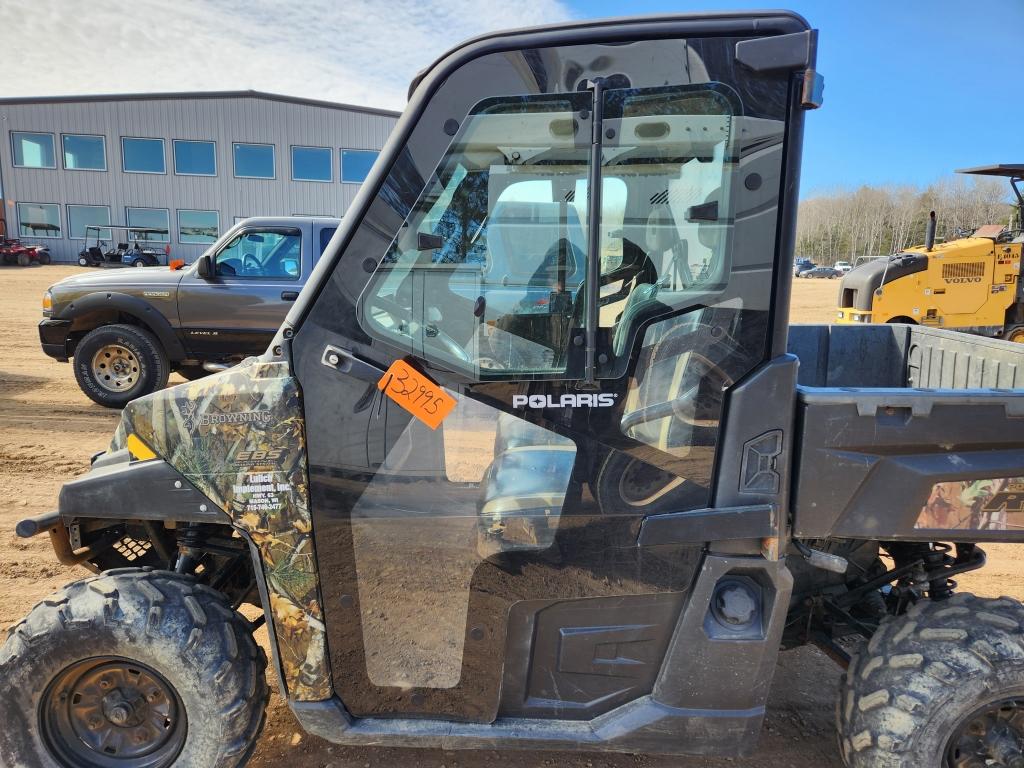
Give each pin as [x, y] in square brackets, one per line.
[190, 541]
[936, 560]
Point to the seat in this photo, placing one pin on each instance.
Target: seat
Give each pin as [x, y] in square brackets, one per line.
[524, 487]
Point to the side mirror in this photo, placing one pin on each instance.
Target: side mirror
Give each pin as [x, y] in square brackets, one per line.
[428, 242]
[204, 268]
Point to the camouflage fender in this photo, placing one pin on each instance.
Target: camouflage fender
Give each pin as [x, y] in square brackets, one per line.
[239, 437]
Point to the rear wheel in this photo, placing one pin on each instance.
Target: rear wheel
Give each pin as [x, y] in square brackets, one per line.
[942, 685]
[1014, 333]
[44, 259]
[24, 260]
[132, 669]
[114, 364]
[139, 263]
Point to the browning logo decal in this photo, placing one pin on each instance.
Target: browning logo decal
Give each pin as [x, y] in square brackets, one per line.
[984, 505]
[239, 437]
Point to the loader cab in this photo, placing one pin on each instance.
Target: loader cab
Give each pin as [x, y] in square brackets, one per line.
[573, 235]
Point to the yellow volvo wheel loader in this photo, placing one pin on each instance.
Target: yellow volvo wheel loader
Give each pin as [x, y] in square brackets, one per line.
[970, 284]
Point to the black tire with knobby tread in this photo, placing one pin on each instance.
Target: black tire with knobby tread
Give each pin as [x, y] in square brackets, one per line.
[908, 689]
[185, 631]
[153, 362]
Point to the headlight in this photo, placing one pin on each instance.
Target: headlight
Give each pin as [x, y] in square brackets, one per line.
[47, 304]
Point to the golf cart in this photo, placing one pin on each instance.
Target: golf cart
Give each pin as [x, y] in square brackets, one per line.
[13, 251]
[96, 252]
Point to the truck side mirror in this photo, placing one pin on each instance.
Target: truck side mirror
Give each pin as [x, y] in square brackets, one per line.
[429, 242]
[203, 267]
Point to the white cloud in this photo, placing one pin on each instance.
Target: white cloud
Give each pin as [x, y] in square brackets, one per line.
[355, 51]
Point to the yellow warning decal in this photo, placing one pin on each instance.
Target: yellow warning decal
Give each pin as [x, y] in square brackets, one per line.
[139, 450]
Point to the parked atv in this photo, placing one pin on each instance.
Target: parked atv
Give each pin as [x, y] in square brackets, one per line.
[13, 251]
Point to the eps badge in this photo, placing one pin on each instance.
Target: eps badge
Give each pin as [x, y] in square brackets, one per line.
[568, 400]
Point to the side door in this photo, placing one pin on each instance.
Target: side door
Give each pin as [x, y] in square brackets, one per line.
[256, 276]
[491, 565]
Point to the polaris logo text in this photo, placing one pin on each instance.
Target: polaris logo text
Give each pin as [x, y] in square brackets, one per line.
[594, 400]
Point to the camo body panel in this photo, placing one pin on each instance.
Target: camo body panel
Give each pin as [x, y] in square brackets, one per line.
[239, 437]
[994, 504]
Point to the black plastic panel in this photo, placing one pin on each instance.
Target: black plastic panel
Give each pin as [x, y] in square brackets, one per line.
[586, 656]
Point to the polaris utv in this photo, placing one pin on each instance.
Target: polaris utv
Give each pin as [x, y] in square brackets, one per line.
[584, 519]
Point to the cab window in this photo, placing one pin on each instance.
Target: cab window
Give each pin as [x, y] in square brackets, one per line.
[487, 273]
[274, 254]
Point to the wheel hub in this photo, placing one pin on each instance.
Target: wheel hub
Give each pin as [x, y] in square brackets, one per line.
[115, 368]
[105, 713]
[991, 737]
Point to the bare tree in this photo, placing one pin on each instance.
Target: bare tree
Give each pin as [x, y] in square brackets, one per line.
[874, 221]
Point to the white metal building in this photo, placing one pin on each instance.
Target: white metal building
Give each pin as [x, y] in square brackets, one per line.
[189, 163]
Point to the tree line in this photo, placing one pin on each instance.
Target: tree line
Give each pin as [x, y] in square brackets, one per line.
[844, 224]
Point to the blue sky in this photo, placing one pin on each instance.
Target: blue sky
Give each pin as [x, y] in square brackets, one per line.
[914, 88]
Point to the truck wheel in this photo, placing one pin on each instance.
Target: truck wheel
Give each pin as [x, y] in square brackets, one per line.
[942, 685]
[1015, 333]
[132, 668]
[118, 363]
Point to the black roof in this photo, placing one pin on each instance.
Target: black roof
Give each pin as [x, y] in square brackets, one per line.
[1007, 169]
[196, 95]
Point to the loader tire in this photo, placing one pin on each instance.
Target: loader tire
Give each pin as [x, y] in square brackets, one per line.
[940, 687]
[133, 668]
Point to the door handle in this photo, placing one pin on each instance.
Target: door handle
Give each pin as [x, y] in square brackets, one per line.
[345, 362]
[289, 295]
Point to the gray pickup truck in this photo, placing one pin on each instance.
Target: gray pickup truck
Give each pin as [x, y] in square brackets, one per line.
[128, 330]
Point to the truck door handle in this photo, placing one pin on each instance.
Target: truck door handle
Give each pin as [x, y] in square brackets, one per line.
[345, 362]
[289, 295]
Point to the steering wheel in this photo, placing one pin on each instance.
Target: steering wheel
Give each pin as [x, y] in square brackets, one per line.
[403, 316]
[250, 264]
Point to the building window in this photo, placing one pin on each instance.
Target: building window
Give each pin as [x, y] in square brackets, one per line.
[356, 164]
[33, 150]
[198, 226]
[195, 158]
[150, 219]
[39, 220]
[142, 155]
[311, 164]
[84, 153]
[254, 161]
[82, 216]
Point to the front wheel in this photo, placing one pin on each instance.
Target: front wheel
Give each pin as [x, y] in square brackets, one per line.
[940, 686]
[1014, 333]
[133, 668]
[139, 263]
[114, 364]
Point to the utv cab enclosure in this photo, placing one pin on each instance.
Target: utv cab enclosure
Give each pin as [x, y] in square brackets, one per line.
[530, 463]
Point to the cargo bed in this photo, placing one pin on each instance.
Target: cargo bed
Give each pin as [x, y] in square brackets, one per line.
[907, 432]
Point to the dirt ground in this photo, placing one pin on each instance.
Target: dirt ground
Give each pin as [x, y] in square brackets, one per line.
[49, 429]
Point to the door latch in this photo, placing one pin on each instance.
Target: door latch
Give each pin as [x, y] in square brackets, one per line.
[345, 362]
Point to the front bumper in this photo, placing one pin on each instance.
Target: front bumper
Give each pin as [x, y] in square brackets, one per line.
[54, 336]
